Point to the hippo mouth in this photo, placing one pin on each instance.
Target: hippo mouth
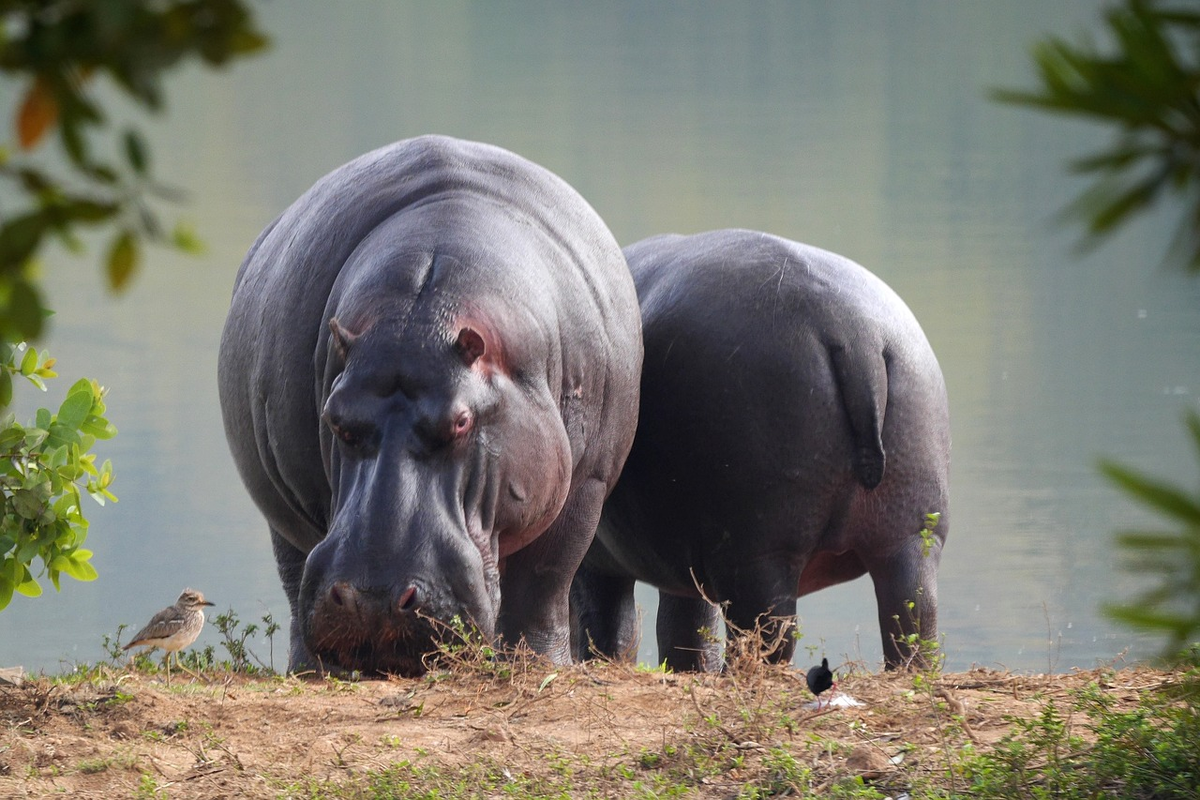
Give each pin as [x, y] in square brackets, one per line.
[389, 650]
[374, 643]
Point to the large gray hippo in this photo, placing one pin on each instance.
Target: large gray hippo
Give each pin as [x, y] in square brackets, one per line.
[429, 380]
[794, 434]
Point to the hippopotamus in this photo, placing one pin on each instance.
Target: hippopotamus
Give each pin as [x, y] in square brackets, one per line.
[429, 381]
[793, 434]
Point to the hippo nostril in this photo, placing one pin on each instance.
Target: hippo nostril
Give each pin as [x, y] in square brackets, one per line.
[342, 594]
[409, 600]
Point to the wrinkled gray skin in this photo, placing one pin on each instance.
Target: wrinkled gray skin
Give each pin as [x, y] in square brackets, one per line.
[429, 380]
[793, 435]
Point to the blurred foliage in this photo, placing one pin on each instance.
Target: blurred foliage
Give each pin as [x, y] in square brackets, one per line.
[1173, 606]
[59, 50]
[1149, 89]
[42, 466]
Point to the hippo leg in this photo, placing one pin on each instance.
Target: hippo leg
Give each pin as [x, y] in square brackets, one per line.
[605, 615]
[687, 633]
[906, 594]
[536, 582]
[761, 611]
[290, 563]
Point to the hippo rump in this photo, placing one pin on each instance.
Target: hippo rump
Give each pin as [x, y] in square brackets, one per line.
[429, 381]
[793, 434]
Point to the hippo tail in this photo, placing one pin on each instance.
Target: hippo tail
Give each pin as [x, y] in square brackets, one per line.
[861, 372]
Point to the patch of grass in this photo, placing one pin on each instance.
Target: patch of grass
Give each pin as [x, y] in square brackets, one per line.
[1151, 751]
[148, 789]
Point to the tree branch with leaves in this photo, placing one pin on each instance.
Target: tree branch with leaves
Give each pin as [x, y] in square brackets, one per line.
[59, 51]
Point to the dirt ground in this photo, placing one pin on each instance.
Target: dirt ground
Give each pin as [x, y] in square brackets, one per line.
[610, 729]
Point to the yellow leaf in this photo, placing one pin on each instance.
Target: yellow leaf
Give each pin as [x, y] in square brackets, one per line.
[37, 115]
[122, 260]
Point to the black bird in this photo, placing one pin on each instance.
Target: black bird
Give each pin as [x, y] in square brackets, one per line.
[819, 679]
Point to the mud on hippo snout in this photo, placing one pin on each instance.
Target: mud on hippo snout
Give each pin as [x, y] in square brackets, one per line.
[382, 630]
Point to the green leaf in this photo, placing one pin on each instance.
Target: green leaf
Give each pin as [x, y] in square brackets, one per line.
[122, 260]
[28, 550]
[75, 409]
[98, 427]
[184, 237]
[81, 385]
[61, 435]
[34, 438]
[1193, 424]
[58, 457]
[135, 151]
[26, 504]
[6, 388]
[29, 362]
[1160, 496]
[13, 570]
[79, 568]
[30, 588]
[6, 592]
[10, 437]
[19, 237]
[25, 310]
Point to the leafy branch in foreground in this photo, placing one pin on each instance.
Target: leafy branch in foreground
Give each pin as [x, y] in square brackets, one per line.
[1150, 90]
[1172, 607]
[42, 468]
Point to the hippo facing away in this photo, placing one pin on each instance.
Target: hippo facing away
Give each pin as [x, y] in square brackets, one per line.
[429, 381]
[794, 434]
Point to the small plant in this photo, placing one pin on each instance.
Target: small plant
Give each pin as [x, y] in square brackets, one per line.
[926, 533]
[462, 650]
[112, 646]
[148, 789]
[234, 641]
[43, 466]
[921, 653]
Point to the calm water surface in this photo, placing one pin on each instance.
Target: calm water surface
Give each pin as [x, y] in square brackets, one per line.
[860, 127]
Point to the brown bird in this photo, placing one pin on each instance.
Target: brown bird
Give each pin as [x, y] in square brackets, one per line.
[174, 628]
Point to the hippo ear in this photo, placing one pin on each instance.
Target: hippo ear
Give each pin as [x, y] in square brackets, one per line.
[342, 338]
[470, 345]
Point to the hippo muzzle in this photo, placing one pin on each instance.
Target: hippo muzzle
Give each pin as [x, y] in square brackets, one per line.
[408, 563]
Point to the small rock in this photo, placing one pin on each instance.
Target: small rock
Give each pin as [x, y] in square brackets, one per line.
[868, 763]
[400, 702]
[12, 676]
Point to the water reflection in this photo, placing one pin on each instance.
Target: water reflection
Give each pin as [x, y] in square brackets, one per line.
[858, 127]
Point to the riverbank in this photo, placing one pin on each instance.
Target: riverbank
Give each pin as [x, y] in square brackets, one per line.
[529, 730]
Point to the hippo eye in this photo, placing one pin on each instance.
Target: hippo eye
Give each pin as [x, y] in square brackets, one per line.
[351, 435]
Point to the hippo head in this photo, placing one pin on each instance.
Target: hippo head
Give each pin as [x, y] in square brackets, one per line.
[442, 459]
